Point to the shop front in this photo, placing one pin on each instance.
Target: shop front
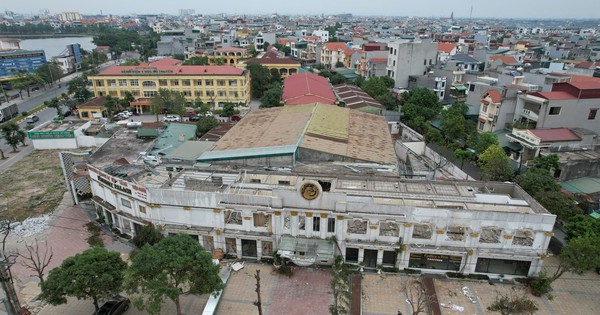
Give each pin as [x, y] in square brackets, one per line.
[503, 266]
[435, 261]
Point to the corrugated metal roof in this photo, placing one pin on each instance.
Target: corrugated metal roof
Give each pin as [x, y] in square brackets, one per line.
[190, 150]
[586, 185]
[174, 136]
[247, 153]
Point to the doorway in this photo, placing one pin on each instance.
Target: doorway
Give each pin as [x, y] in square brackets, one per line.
[370, 258]
[249, 248]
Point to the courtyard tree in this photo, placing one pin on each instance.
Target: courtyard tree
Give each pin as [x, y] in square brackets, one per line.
[95, 274]
[537, 180]
[340, 288]
[582, 225]
[148, 234]
[417, 298]
[174, 266]
[260, 79]
[375, 87]
[196, 61]
[462, 155]
[111, 105]
[228, 110]
[549, 162]
[481, 141]
[453, 122]
[495, 165]
[36, 259]
[167, 101]
[272, 97]
[337, 79]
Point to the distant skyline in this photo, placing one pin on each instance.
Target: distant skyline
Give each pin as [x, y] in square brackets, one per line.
[578, 9]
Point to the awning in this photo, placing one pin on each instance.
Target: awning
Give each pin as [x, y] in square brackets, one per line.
[103, 203]
[305, 251]
[460, 87]
[514, 146]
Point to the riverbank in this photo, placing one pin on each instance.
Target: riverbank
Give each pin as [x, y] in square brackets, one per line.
[41, 36]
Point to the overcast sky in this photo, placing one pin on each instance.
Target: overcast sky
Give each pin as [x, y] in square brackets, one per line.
[425, 8]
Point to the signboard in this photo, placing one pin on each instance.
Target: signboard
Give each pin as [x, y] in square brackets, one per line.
[37, 135]
[75, 52]
[118, 184]
[146, 71]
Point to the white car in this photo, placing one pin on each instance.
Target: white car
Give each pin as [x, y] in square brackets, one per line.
[172, 118]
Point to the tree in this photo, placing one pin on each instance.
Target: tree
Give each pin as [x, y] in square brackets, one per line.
[78, 87]
[580, 255]
[416, 295]
[174, 266]
[111, 105]
[513, 304]
[205, 124]
[258, 301]
[340, 64]
[49, 72]
[196, 61]
[537, 180]
[167, 101]
[272, 97]
[549, 163]
[179, 56]
[228, 110]
[582, 226]
[37, 261]
[558, 203]
[419, 106]
[275, 76]
[131, 62]
[56, 104]
[453, 122]
[148, 234]
[337, 79]
[94, 274]
[389, 82]
[481, 141]
[266, 45]
[10, 133]
[340, 288]
[375, 87]
[462, 155]
[260, 79]
[495, 165]
[387, 100]
[325, 73]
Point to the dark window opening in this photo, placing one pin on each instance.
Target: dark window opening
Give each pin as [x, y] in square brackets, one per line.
[316, 224]
[554, 111]
[351, 254]
[389, 258]
[592, 114]
[326, 186]
[331, 225]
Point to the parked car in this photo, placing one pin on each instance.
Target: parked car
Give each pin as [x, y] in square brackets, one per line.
[128, 113]
[35, 88]
[115, 306]
[31, 119]
[172, 118]
[195, 118]
[12, 97]
[119, 116]
[68, 113]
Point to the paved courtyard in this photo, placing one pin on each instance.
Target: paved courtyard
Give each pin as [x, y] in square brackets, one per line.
[572, 294]
[306, 292]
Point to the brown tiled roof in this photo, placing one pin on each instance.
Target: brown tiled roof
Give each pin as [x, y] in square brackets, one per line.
[354, 97]
[95, 102]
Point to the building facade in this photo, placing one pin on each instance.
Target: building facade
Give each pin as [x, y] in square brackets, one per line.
[21, 60]
[471, 227]
[210, 84]
[408, 58]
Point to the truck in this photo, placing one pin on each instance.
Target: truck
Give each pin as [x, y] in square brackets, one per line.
[8, 111]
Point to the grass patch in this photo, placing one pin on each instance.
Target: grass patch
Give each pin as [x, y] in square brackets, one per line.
[18, 119]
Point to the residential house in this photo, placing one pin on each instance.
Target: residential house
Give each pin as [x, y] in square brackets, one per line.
[409, 58]
[445, 51]
[333, 53]
[305, 88]
[273, 59]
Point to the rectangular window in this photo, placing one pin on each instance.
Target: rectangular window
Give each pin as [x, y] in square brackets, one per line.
[424, 62]
[481, 125]
[233, 217]
[163, 82]
[330, 225]
[133, 83]
[149, 93]
[186, 82]
[126, 203]
[592, 114]
[554, 111]
[316, 224]
[259, 219]
[198, 82]
[142, 209]
[122, 82]
[174, 82]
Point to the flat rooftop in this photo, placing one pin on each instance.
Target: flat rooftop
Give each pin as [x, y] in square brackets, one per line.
[65, 125]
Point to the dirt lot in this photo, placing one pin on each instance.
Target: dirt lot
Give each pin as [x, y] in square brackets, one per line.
[33, 186]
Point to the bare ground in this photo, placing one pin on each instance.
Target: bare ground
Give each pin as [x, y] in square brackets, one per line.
[32, 186]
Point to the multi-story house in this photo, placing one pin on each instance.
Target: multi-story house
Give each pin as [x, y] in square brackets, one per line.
[310, 210]
[334, 52]
[409, 58]
[228, 55]
[210, 84]
[489, 111]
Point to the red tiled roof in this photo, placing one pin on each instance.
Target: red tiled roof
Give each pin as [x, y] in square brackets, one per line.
[590, 85]
[446, 47]
[285, 41]
[165, 62]
[376, 60]
[311, 37]
[307, 88]
[95, 102]
[582, 78]
[507, 60]
[557, 95]
[587, 65]
[495, 96]
[172, 70]
[336, 46]
[559, 134]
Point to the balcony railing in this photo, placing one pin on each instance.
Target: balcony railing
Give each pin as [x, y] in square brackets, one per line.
[529, 114]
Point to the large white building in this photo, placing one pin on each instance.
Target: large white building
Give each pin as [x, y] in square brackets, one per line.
[289, 180]
[410, 58]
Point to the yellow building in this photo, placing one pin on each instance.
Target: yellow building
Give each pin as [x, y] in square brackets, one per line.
[93, 109]
[209, 84]
[228, 55]
[272, 60]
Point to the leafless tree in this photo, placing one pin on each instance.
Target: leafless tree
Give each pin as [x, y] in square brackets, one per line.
[36, 261]
[416, 295]
[258, 302]
[439, 162]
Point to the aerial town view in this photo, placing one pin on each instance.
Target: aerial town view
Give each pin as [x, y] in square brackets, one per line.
[269, 157]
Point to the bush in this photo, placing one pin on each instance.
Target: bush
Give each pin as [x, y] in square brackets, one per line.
[409, 271]
[94, 239]
[148, 234]
[540, 285]
[455, 275]
[25, 114]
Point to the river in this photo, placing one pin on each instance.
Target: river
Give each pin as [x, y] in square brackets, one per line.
[55, 46]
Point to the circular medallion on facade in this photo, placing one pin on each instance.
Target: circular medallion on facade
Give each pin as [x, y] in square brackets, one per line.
[309, 191]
